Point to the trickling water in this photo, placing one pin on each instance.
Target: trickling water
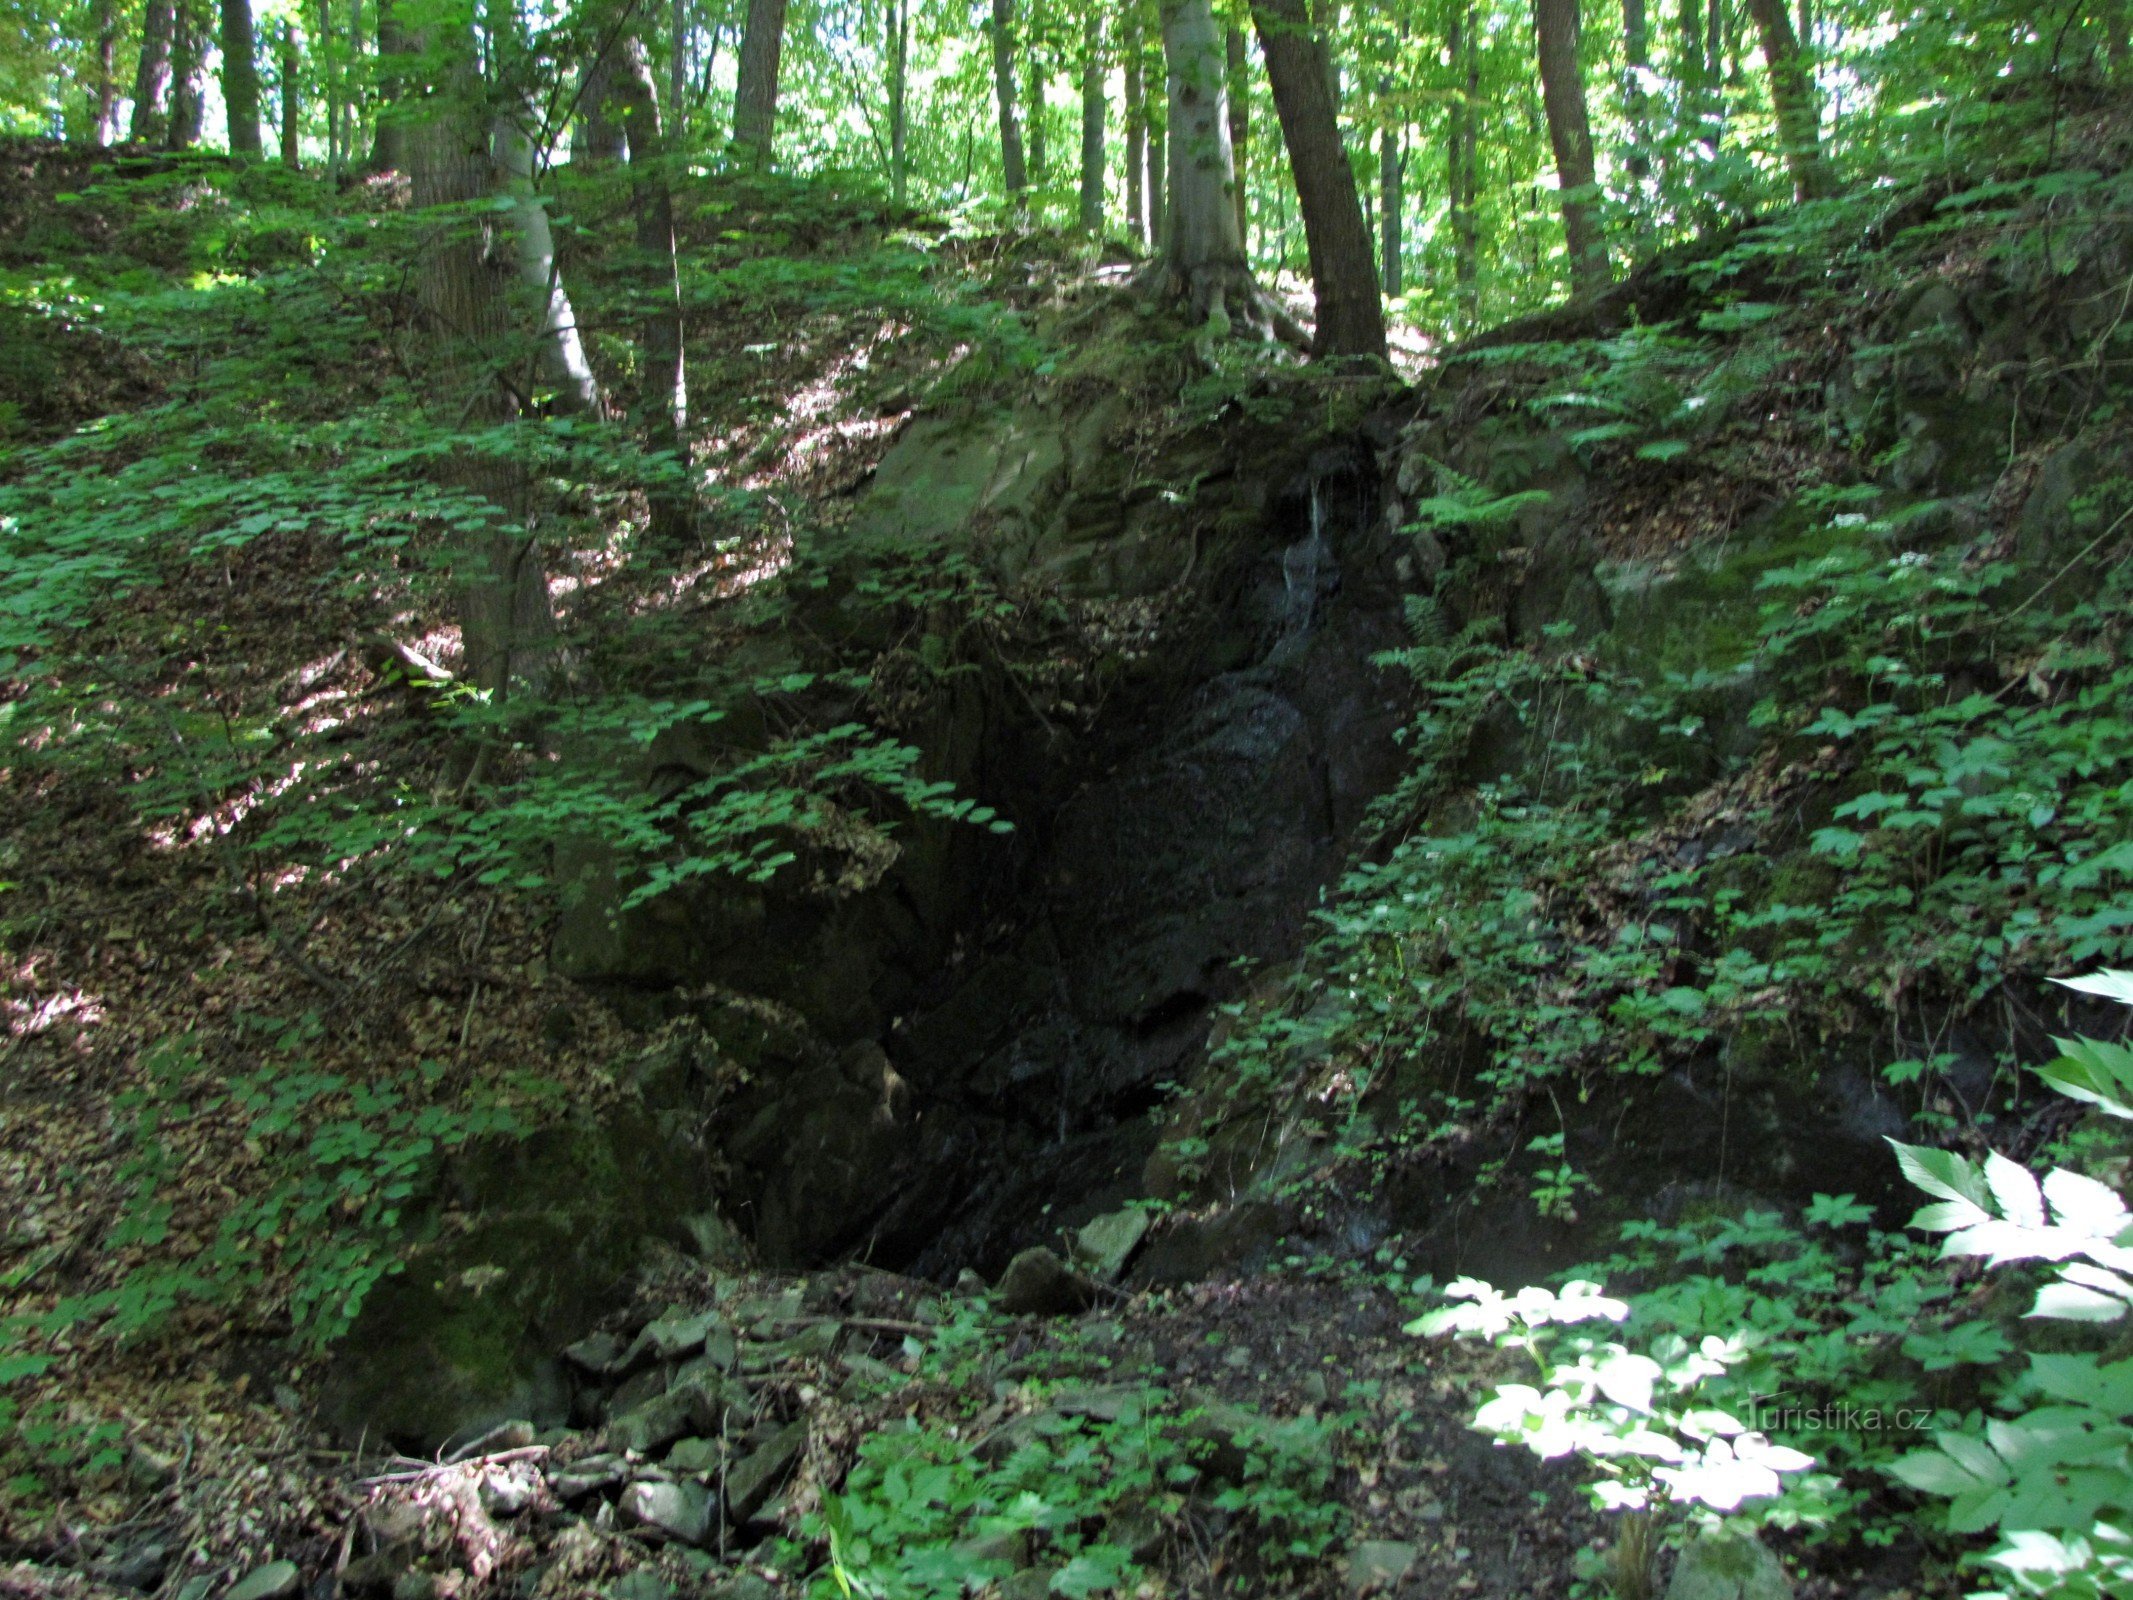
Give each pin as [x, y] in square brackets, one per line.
[1306, 571]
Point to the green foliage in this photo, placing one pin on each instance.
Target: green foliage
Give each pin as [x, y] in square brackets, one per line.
[1639, 1418]
[2052, 1475]
[923, 1516]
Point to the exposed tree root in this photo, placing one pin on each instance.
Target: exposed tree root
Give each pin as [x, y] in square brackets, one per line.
[1229, 301]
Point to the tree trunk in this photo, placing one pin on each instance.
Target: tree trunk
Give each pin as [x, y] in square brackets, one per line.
[598, 140]
[562, 351]
[678, 35]
[1158, 184]
[388, 144]
[1094, 109]
[1714, 69]
[1136, 145]
[899, 80]
[1202, 244]
[663, 405]
[1392, 208]
[1697, 88]
[1037, 120]
[1014, 174]
[755, 95]
[188, 75]
[329, 84]
[1240, 127]
[1570, 135]
[1463, 177]
[1325, 26]
[1202, 258]
[240, 77]
[292, 93]
[151, 78]
[1792, 97]
[104, 107]
[505, 622]
[1351, 319]
[1636, 67]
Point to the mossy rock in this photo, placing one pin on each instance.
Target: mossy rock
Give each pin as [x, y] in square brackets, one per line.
[535, 1242]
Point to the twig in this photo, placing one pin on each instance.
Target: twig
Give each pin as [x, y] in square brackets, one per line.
[527, 1452]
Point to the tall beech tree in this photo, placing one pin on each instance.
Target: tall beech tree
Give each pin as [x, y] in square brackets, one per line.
[289, 88]
[755, 95]
[1202, 258]
[899, 54]
[663, 406]
[1237, 51]
[1556, 26]
[1014, 171]
[188, 75]
[1095, 112]
[1136, 141]
[1792, 97]
[151, 79]
[103, 102]
[1351, 318]
[240, 77]
[506, 623]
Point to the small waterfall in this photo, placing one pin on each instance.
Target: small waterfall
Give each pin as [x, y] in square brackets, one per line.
[1307, 571]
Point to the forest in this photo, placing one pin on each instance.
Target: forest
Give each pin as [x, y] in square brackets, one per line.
[979, 799]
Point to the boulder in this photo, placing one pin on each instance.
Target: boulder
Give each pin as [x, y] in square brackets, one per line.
[1724, 1564]
[749, 1485]
[1105, 1244]
[677, 1511]
[1038, 1283]
[694, 1407]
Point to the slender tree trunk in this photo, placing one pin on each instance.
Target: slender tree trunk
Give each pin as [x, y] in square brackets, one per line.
[1570, 134]
[388, 143]
[329, 84]
[292, 93]
[1464, 174]
[1392, 208]
[1037, 116]
[565, 368]
[1158, 183]
[151, 78]
[678, 36]
[755, 97]
[1636, 104]
[188, 75]
[1136, 145]
[1094, 110]
[598, 140]
[899, 80]
[240, 77]
[1792, 97]
[664, 403]
[105, 105]
[1351, 318]
[506, 625]
[1714, 69]
[352, 89]
[1697, 88]
[1238, 55]
[1014, 173]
